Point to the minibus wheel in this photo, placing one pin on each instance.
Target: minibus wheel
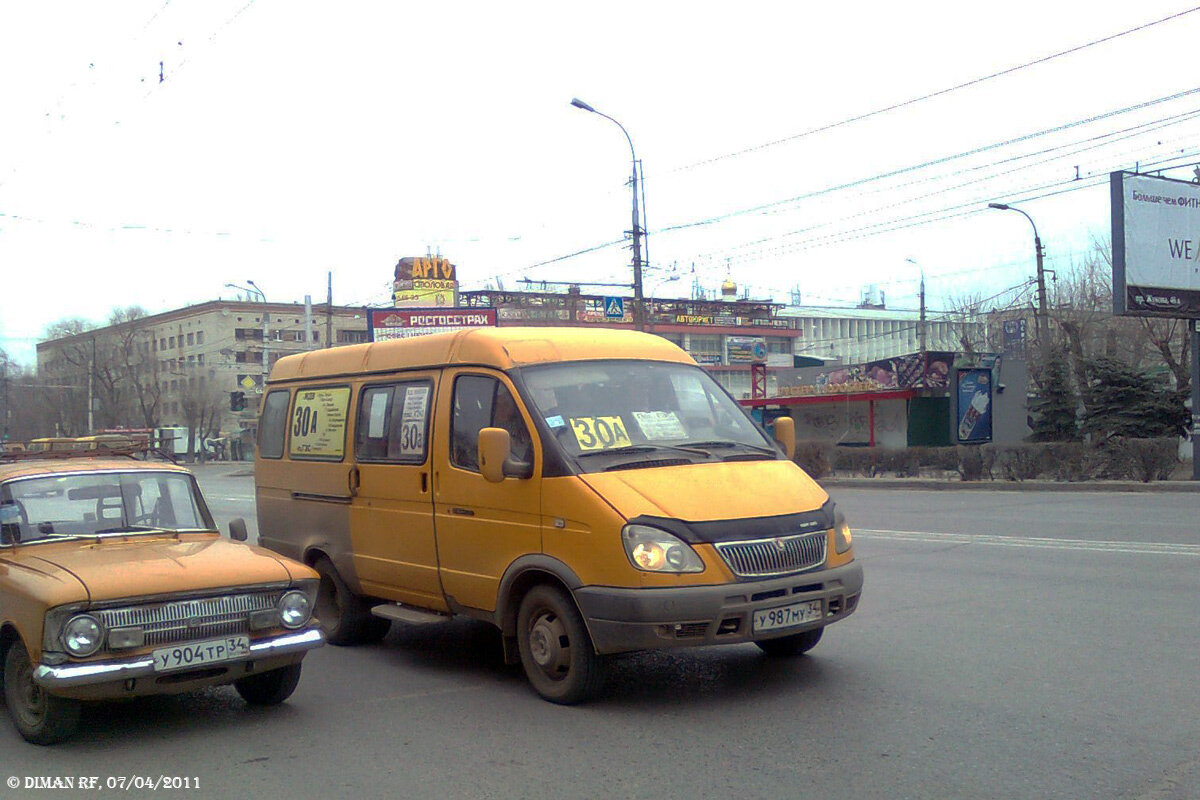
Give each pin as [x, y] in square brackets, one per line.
[556, 650]
[344, 617]
[794, 645]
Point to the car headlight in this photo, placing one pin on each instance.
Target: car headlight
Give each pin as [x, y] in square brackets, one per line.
[655, 550]
[842, 540]
[295, 609]
[82, 635]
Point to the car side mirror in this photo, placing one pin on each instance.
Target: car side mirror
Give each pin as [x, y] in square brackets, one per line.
[237, 530]
[495, 457]
[494, 446]
[785, 434]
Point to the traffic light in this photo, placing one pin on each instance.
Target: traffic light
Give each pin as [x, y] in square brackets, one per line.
[237, 401]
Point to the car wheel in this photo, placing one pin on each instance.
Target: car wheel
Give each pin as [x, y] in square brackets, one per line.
[269, 688]
[556, 650]
[794, 645]
[344, 617]
[40, 717]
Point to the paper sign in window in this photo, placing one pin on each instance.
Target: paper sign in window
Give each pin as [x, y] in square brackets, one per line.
[599, 433]
[319, 423]
[659, 425]
[412, 422]
[377, 414]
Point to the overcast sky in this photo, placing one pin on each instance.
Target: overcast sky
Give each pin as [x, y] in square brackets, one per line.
[286, 140]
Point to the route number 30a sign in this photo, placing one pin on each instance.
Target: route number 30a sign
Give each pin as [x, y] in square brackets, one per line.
[319, 423]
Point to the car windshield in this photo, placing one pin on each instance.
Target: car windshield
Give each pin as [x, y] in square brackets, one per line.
[639, 413]
[91, 503]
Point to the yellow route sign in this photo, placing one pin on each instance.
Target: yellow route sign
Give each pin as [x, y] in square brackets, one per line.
[319, 423]
[599, 433]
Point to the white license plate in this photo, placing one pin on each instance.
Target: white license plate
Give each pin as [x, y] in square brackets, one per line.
[787, 616]
[193, 654]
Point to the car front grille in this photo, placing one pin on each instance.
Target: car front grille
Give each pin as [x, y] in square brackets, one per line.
[761, 558]
[187, 620]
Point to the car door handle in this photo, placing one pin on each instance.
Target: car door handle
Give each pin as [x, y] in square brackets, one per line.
[462, 512]
[352, 481]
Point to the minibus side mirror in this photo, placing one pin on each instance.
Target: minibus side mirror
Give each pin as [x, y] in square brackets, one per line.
[495, 461]
[785, 434]
[237, 530]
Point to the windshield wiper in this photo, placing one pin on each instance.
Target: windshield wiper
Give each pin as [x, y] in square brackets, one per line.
[644, 448]
[722, 443]
[126, 529]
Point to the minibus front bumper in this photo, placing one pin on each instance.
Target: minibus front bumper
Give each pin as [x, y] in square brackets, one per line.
[621, 620]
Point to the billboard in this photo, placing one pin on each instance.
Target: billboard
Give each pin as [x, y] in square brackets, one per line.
[1155, 246]
[425, 282]
[974, 406]
[388, 323]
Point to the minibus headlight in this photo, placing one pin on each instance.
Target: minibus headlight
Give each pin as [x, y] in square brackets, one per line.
[655, 550]
[842, 540]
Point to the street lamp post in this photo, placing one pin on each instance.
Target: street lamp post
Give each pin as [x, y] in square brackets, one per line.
[265, 324]
[638, 310]
[1042, 317]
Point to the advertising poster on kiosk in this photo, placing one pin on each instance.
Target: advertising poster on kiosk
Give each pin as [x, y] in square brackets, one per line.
[974, 406]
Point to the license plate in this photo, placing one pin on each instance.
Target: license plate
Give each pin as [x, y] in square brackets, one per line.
[209, 651]
[787, 616]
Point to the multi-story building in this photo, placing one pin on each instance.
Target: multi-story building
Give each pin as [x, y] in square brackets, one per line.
[181, 367]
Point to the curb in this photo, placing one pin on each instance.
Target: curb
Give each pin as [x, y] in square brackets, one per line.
[927, 484]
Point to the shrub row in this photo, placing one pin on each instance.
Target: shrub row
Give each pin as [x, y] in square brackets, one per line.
[1115, 459]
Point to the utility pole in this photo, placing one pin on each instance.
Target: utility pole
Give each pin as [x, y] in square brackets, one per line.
[329, 314]
[91, 387]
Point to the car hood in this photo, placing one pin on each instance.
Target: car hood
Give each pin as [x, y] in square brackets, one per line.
[708, 492]
[140, 566]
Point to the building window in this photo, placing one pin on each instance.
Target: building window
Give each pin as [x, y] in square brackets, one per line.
[171, 343]
[191, 361]
[704, 343]
[191, 338]
[200, 359]
[779, 344]
[352, 337]
[199, 337]
[162, 344]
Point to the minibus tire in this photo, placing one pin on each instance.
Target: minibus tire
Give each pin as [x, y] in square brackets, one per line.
[344, 617]
[40, 717]
[795, 645]
[548, 619]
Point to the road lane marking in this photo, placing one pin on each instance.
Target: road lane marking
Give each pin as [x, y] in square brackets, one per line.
[1142, 548]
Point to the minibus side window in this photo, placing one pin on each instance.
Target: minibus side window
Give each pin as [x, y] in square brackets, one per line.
[273, 424]
[393, 423]
[482, 402]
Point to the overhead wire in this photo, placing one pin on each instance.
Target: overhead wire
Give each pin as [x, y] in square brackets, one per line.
[940, 92]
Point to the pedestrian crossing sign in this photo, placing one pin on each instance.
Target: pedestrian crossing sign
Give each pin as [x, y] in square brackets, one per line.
[614, 308]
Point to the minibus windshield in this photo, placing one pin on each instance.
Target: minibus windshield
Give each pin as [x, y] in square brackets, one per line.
[645, 410]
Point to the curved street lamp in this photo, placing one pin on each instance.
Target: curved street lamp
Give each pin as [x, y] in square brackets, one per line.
[638, 316]
[1042, 319]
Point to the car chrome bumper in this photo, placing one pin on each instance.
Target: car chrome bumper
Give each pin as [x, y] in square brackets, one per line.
[66, 676]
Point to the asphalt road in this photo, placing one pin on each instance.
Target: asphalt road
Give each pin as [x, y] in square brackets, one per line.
[1008, 645]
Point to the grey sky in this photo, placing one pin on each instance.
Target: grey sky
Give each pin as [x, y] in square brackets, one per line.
[289, 139]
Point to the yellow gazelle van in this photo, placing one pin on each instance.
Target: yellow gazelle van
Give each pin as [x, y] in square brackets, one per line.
[588, 492]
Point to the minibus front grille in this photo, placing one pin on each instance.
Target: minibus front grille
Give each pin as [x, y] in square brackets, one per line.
[761, 558]
[187, 620]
